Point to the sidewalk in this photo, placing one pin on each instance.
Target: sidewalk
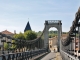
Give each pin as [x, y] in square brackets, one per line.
[58, 57]
[52, 56]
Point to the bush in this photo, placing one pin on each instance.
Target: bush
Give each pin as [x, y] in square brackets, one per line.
[30, 35]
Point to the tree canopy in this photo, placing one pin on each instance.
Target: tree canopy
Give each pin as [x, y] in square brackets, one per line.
[13, 45]
[30, 35]
[27, 35]
[6, 46]
[19, 36]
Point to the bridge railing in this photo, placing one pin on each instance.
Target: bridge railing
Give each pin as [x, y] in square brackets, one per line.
[68, 56]
[22, 55]
[70, 47]
[20, 51]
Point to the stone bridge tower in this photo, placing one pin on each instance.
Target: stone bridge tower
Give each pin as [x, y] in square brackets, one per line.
[52, 23]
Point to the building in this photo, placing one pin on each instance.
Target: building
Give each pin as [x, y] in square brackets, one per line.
[28, 27]
[50, 42]
[64, 36]
[74, 44]
[53, 43]
[8, 33]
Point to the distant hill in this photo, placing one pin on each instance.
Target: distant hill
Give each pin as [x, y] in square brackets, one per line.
[51, 33]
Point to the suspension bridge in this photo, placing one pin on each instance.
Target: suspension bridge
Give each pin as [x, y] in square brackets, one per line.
[68, 48]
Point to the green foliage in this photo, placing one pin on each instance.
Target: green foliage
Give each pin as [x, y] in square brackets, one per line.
[30, 35]
[19, 36]
[77, 35]
[51, 33]
[13, 45]
[6, 46]
[16, 36]
[64, 32]
[39, 33]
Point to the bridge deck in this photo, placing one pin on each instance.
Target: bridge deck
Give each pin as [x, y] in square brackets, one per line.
[52, 56]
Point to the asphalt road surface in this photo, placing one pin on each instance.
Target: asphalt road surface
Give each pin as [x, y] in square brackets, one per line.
[52, 56]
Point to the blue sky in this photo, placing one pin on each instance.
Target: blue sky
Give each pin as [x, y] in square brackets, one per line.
[14, 14]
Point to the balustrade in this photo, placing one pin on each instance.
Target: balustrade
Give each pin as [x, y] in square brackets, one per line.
[21, 51]
[69, 44]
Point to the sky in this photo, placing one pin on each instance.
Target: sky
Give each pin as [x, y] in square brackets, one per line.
[14, 14]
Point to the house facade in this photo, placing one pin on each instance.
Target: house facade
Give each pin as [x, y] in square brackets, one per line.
[8, 33]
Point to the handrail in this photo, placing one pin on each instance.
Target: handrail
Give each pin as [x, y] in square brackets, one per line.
[77, 17]
[63, 54]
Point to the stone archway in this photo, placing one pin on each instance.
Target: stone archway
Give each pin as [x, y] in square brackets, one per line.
[52, 23]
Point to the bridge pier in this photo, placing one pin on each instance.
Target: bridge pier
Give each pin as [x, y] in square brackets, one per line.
[58, 41]
[53, 23]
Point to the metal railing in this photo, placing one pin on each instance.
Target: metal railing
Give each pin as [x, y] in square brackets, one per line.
[20, 52]
[22, 55]
[70, 47]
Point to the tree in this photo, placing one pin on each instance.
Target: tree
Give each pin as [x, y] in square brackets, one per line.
[6, 46]
[13, 45]
[30, 35]
[15, 36]
[19, 36]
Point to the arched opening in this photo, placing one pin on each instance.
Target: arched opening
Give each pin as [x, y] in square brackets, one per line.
[53, 34]
[48, 24]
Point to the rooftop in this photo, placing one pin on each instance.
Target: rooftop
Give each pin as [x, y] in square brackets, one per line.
[7, 32]
[28, 27]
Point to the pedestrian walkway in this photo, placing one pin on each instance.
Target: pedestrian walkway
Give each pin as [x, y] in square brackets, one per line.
[58, 56]
[52, 56]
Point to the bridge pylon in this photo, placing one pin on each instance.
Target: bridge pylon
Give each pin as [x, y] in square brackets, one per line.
[52, 23]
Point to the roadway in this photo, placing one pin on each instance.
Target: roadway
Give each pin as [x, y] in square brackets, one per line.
[52, 56]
